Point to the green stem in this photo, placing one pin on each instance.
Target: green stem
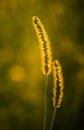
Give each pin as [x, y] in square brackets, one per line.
[45, 104]
[53, 118]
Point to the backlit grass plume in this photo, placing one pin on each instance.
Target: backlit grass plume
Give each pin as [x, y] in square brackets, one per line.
[45, 49]
[60, 82]
[54, 89]
[57, 82]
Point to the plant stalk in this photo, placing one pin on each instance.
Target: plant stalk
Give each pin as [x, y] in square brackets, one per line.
[53, 118]
[45, 102]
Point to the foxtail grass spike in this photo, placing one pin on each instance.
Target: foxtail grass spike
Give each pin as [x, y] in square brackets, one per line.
[45, 49]
[58, 81]
[54, 89]
[61, 83]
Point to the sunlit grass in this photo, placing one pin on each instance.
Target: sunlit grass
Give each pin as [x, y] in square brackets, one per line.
[21, 79]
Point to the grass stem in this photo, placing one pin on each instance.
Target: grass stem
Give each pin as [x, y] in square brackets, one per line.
[45, 102]
[53, 118]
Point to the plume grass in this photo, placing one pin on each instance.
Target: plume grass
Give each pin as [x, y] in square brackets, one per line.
[45, 49]
[57, 82]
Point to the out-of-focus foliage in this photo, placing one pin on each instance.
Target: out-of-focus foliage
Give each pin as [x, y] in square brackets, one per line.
[21, 80]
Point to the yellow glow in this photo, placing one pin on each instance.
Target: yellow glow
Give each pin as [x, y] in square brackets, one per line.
[17, 73]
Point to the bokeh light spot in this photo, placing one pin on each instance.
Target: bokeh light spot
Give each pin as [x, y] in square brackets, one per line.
[17, 73]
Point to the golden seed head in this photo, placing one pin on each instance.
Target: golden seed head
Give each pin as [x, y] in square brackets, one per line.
[45, 49]
[57, 81]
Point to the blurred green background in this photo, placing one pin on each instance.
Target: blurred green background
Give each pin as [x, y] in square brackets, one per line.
[21, 80]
